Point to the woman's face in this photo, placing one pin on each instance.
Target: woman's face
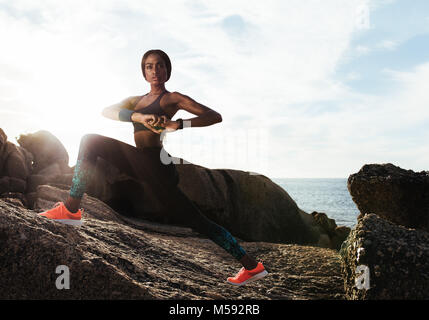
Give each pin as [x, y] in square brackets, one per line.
[155, 69]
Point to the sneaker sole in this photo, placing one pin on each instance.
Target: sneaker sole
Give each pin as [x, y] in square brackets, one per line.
[72, 222]
[258, 276]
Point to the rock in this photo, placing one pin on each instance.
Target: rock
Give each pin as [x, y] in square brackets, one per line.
[15, 166]
[398, 195]
[112, 257]
[397, 259]
[46, 149]
[340, 235]
[328, 225]
[251, 206]
[331, 236]
[15, 198]
[11, 184]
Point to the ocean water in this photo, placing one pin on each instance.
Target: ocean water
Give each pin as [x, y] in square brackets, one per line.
[323, 195]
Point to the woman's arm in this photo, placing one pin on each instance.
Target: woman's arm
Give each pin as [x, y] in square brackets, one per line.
[112, 112]
[127, 107]
[205, 115]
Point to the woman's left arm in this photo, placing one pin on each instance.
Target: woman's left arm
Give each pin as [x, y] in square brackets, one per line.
[205, 115]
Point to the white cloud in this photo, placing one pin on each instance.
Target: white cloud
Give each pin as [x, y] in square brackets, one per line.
[362, 50]
[388, 45]
[371, 129]
[67, 61]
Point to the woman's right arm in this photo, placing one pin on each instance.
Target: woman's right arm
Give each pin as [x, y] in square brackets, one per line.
[124, 111]
[112, 112]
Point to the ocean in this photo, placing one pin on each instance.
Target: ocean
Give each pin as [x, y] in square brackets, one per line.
[323, 195]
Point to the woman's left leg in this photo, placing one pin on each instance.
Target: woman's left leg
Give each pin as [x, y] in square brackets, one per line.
[177, 203]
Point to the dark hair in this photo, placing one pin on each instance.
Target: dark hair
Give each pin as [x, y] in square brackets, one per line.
[163, 56]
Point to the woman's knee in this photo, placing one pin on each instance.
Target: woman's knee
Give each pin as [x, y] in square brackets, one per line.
[89, 139]
[88, 145]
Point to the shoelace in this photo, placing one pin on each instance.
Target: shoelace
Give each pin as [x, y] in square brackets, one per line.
[242, 270]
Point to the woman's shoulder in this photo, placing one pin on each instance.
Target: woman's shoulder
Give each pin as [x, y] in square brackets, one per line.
[176, 96]
[131, 101]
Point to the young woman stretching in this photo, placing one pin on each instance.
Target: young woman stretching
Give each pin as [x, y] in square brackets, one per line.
[148, 161]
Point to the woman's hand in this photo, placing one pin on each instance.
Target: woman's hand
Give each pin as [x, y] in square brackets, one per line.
[155, 123]
[170, 125]
[151, 121]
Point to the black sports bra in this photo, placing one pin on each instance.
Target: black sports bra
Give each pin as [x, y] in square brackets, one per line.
[153, 108]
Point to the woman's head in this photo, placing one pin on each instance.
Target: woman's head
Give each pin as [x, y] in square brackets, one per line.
[149, 59]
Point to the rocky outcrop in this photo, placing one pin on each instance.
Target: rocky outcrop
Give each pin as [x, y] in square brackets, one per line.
[116, 257]
[15, 166]
[398, 195]
[390, 243]
[46, 150]
[250, 206]
[335, 235]
[395, 258]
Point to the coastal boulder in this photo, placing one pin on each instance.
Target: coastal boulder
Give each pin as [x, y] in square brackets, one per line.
[15, 166]
[398, 195]
[250, 206]
[114, 257]
[335, 235]
[382, 260]
[46, 149]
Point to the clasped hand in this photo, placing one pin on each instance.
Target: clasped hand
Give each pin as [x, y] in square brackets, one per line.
[157, 123]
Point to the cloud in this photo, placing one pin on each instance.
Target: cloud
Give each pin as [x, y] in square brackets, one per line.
[264, 66]
[388, 45]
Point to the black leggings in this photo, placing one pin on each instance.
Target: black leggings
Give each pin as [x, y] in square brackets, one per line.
[145, 164]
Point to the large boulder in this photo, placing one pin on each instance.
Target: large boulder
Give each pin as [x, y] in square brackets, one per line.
[46, 150]
[398, 195]
[115, 257]
[382, 260]
[251, 206]
[15, 166]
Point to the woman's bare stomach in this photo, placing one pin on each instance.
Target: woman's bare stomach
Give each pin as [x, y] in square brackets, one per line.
[144, 139]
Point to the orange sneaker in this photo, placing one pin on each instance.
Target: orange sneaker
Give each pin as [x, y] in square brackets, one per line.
[244, 276]
[60, 213]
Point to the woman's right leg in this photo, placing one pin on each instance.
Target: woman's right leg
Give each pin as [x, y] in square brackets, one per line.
[92, 146]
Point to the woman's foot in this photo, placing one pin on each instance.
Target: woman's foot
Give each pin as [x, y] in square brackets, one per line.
[244, 276]
[61, 214]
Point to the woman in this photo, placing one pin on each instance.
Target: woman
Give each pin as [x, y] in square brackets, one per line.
[150, 115]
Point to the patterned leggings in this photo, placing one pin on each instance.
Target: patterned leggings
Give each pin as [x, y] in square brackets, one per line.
[145, 164]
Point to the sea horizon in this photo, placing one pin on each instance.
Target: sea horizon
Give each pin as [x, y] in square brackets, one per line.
[327, 195]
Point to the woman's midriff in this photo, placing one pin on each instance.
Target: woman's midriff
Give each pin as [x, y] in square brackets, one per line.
[144, 139]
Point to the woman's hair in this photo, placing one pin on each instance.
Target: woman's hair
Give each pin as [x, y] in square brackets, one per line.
[163, 56]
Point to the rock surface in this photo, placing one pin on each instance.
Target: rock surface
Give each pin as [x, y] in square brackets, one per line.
[115, 257]
[251, 206]
[397, 259]
[398, 195]
[46, 150]
[15, 166]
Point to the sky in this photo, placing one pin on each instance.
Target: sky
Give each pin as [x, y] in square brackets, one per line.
[306, 88]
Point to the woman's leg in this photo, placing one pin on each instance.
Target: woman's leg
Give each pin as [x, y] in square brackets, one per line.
[164, 182]
[193, 217]
[92, 146]
[145, 164]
